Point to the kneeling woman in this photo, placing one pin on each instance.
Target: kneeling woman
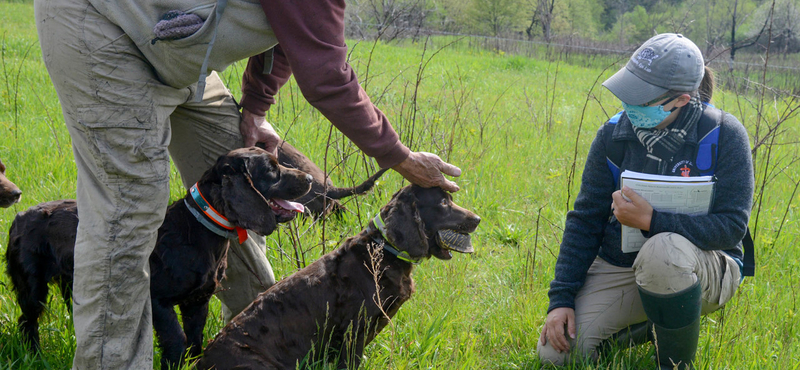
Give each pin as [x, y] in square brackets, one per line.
[690, 265]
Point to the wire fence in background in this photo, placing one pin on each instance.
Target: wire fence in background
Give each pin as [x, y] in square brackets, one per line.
[739, 75]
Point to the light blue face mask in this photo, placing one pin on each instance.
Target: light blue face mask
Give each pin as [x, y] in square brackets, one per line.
[647, 117]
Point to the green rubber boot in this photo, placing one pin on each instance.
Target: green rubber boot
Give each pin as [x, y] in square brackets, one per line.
[676, 325]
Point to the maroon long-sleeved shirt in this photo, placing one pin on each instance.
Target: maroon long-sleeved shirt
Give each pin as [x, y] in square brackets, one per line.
[311, 45]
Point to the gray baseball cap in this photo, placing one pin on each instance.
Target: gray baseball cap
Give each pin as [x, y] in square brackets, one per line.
[668, 61]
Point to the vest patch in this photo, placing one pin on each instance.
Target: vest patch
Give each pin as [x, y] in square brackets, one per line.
[684, 168]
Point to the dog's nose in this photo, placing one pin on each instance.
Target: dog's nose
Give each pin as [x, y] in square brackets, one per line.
[476, 219]
[309, 178]
[16, 193]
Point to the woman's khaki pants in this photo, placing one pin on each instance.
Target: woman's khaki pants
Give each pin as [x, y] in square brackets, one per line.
[125, 124]
[609, 300]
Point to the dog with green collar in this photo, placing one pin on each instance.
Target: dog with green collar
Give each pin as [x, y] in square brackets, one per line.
[339, 303]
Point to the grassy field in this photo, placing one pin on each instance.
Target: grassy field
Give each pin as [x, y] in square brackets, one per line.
[519, 129]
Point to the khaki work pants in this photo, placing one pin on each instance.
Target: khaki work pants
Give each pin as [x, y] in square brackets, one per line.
[124, 125]
[609, 300]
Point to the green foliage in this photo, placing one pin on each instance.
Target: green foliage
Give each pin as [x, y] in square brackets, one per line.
[495, 17]
[450, 16]
[510, 235]
[485, 112]
[582, 17]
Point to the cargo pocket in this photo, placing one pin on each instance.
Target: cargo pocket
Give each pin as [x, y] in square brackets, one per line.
[730, 279]
[202, 36]
[126, 143]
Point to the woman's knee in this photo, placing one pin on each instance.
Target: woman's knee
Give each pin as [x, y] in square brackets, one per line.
[581, 350]
[667, 263]
[549, 355]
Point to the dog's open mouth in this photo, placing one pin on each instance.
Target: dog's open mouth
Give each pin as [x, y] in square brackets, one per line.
[451, 240]
[284, 209]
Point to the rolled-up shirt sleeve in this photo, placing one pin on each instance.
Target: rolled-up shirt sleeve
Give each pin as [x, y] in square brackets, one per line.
[259, 88]
[312, 47]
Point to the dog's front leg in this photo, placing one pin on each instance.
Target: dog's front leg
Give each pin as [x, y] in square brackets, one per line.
[194, 320]
[170, 336]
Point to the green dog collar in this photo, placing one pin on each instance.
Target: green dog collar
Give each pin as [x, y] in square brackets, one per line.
[388, 246]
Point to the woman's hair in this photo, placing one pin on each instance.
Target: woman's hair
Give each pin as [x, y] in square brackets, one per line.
[706, 89]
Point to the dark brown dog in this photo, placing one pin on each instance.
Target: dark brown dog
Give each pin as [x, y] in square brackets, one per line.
[9, 193]
[331, 304]
[246, 186]
[323, 199]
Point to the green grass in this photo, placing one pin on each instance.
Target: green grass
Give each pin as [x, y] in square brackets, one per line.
[515, 126]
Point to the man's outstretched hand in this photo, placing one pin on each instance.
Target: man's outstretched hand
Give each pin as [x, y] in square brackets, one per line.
[256, 129]
[420, 168]
[426, 169]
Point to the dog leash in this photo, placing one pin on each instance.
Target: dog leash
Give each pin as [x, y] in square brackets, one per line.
[223, 227]
[387, 245]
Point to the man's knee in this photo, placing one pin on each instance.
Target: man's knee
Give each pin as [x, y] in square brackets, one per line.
[666, 264]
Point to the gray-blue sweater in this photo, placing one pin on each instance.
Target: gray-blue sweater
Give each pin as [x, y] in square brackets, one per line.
[591, 231]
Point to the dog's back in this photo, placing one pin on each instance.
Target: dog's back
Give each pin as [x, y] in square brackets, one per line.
[323, 199]
[41, 242]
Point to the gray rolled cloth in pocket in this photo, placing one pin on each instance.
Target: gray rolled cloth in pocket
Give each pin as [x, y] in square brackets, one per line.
[176, 24]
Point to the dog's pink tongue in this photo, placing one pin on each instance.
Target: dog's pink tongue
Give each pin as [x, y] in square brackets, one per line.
[292, 206]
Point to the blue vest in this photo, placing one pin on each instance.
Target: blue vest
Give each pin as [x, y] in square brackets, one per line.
[707, 147]
[708, 128]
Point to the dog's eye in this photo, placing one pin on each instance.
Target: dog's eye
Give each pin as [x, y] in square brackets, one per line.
[444, 202]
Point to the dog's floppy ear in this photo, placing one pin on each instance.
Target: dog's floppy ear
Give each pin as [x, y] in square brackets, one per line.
[229, 166]
[404, 226]
[246, 207]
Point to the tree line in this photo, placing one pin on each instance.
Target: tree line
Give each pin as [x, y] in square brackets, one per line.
[717, 26]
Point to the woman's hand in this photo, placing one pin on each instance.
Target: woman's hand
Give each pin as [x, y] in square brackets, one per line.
[426, 169]
[553, 330]
[633, 211]
[256, 129]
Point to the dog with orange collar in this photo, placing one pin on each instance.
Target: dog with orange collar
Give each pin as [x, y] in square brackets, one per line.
[245, 189]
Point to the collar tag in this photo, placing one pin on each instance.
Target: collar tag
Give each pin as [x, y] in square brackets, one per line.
[242, 234]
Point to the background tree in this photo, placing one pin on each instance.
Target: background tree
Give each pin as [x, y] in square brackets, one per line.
[738, 13]
[583, 18]
[450, 15]
[542, 17]
[387, 19]
[495, 17]
[717, 26]
[785, 26]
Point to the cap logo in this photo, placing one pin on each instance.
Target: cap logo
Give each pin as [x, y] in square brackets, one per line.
[646, 55]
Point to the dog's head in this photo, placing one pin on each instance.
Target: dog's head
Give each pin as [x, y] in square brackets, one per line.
[9, 193]
[256, 190]
[425, 222]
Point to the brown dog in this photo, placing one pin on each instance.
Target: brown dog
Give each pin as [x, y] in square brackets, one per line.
[331, 304]
[9, 193]
[247, 187]
[323, 199]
